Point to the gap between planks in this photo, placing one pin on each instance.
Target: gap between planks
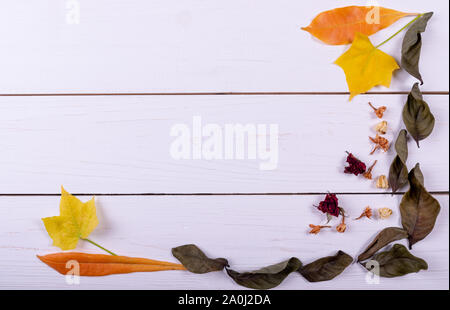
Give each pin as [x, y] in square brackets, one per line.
[212, 94]
[440, 93]
[445, 193]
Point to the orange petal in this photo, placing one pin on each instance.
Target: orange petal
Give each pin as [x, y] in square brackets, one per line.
[102, 265]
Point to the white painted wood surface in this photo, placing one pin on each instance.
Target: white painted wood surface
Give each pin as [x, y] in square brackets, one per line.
[250, 231]
[192, 46]
[120, 144]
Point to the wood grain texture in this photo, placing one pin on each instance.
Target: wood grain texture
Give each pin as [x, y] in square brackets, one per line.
[250, 231]
[121, 144]
[192, 46]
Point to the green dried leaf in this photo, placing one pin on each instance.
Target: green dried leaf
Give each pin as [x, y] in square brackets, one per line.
[412, 45]
[398, 173]
[326, 268]
[385, 237]
[395, 263]
[268, 277]
[417, 116]
[418, 208]
[196, 261]
[418, 174]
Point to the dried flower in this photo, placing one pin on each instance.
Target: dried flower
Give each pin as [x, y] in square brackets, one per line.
[381, 143]
[341, 227]
[368, 173]
[330, 205]
[355, 166]
[378, 111]
[381, 128]
[384, 213]
[315, 229]
[366, 213]
[382, 182]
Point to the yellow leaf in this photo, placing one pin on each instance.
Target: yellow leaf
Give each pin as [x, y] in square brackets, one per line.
[76, 220]
[366, 66]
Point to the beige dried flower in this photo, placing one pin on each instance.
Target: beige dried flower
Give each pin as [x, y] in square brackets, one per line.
[381, 128]
[378, 111]
[366, 213]
[381, 143]
[384, 213]
[382, 182]
[315, 229]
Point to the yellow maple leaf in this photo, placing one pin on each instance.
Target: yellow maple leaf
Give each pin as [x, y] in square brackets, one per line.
[76, 220]
[365, 66]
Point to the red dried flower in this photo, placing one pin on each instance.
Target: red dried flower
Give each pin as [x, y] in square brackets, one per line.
[356, 166]
[330, 205]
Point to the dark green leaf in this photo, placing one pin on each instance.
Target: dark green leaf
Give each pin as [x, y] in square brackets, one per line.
[385, 237]
[398, 173]
[418, 174]
[412, 45]
[418, 208]
[196, 261]
[395, 263]
[417, 116]
[268, 277]
[326, 268]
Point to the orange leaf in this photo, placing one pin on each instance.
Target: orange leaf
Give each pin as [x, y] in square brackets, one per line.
[339, 26]
[92, 265]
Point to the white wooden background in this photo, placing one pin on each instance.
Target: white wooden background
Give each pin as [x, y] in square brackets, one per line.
[90, 106]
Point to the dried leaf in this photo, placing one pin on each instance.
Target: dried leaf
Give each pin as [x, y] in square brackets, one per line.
[76, 220]
[339, 26]
[326, 268]
[94, 265]
[412, 45]
[396, 262]
[418, 174]
[268, 277]
[196, 261]
[366, 66]
[419, 210]
[417, 116]
[385, 237]
[398, 172]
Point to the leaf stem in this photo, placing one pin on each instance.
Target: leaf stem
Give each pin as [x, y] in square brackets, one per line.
[395, 34]
[97, 245]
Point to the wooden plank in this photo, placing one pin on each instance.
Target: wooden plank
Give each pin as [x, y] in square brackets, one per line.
[122, 144]
[250, 231]
[191, 46]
